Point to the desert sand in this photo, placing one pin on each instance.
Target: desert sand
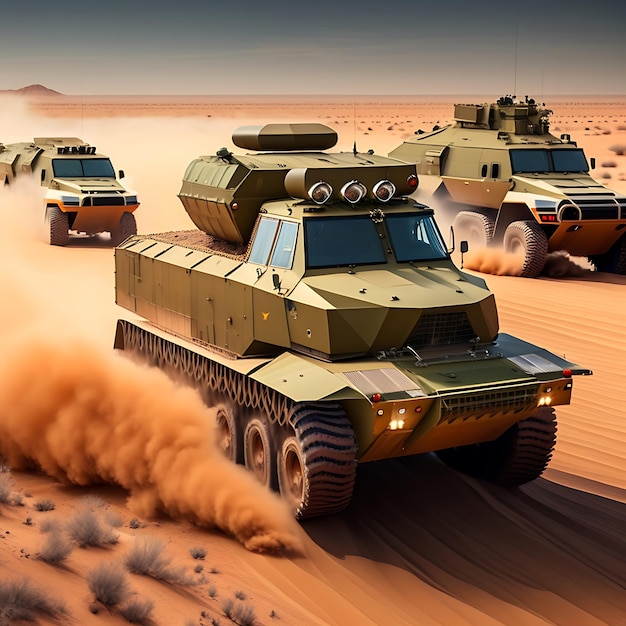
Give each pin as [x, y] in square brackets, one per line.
[419, 544]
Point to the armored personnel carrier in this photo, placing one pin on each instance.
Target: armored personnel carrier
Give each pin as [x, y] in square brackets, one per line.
[510, 183]
[82, 192]
[317, 307]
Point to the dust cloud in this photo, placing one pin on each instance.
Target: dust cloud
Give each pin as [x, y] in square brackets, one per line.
[497, 262]
[86, 414]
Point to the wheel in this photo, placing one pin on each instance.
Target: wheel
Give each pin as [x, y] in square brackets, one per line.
[477, 229]
[518, 456]
[59, 226]
[227, 433]
[527, 240]
[317, 465]
[613, 261]
[259, 457]
[126, 228]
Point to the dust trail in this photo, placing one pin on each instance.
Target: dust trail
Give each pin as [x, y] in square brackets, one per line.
[84, 415]
[493, 261]
[500, 263]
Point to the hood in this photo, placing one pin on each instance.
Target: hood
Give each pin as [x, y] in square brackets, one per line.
[86, 185]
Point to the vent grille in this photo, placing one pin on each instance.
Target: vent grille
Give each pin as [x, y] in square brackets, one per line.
[383, 381]
[440, 329]
[496, 401]
[599, 207]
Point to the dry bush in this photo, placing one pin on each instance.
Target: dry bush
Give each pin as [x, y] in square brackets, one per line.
[137, 611]
[606, 175]
[239, 612]
[618, 148]
[49, 525]
[109, 584]
[87, 530]
[146, 558]
[57, 547]
[212, 591]
[45, 505]
[609, 164]
[93, 502]
[197, 552]
[20, 601]
[6, 487]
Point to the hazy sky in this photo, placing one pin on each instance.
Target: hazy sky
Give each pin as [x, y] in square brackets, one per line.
[406, 47]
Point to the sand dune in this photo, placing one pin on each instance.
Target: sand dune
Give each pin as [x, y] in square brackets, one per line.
[420, 544]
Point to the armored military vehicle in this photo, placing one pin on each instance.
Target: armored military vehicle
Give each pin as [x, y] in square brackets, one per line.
[82, 192]
[510, 183]
[317, 307]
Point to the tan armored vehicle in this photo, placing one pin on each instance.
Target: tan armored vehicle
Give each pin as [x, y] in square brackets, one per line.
[511, 183]
[318, 308]
[82, 192]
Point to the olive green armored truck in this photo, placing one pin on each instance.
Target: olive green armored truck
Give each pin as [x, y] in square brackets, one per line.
[511, 183]
[317, 307]
[82, 195]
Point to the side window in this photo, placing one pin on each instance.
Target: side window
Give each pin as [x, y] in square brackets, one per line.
[285, 245]
[483, 171]
[495, 170]
[263, 240]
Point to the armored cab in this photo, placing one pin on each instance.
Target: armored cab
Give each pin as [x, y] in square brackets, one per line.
[317, 307]
[82, 192]
[511, 183]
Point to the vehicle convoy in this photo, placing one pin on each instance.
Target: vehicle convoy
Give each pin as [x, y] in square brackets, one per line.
[317, 308]
[510, 183]
[82, 192]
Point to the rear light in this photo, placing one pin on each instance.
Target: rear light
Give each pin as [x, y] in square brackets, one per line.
[548, 218]
[567, 373]
[412, 181]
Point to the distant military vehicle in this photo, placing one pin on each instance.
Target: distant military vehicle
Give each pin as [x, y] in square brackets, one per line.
[513, 184]
[318, 308]
[82, 192]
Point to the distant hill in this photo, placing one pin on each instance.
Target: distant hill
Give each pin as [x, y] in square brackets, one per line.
[32, 90]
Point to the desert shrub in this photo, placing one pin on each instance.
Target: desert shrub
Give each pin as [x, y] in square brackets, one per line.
[109, 584]
[619, 149]
[606, 175]
[212, 591]
[240, 595]
[146, 558]
[45, 505]
[241, 613]
[134, 523]
[609, 164]
[198, 568]
[56, 548]
[92, 501]
[20, 601]
[197, 552]
[87, 530]
[215, 621]
[6, 487]
[137, 611]
[227, 607]
[49, 525]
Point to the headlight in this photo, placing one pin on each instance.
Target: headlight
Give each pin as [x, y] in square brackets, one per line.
[353, 191]
[320, 192]
[131, 199]
[384, 190]
[70, 201]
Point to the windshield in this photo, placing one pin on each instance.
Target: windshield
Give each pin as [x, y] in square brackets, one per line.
[342, 241]
[558, 160]
[83, 168]
[415, 237]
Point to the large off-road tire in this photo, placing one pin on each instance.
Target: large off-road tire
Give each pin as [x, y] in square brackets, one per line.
[518, 456]
[59, 226]
[317, 465]
[126, 228]
[475, 228]
[613, 261]
[259, 455]
[527, 239]
[228, 436]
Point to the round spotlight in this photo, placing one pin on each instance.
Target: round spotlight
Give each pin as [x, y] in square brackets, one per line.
[320, 192]
[412, 181]
[384, 190]
[353, 191]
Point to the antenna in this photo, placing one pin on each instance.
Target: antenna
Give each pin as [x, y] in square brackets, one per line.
[516, 46]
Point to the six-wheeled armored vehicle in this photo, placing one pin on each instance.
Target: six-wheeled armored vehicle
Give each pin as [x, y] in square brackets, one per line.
[511, 183]
[317, 308]
[82, 192]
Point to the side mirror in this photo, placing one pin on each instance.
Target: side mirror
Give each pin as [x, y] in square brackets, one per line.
[276, 281]
[464, 247]
[592, 161]
[43, 175]
[121, 174]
